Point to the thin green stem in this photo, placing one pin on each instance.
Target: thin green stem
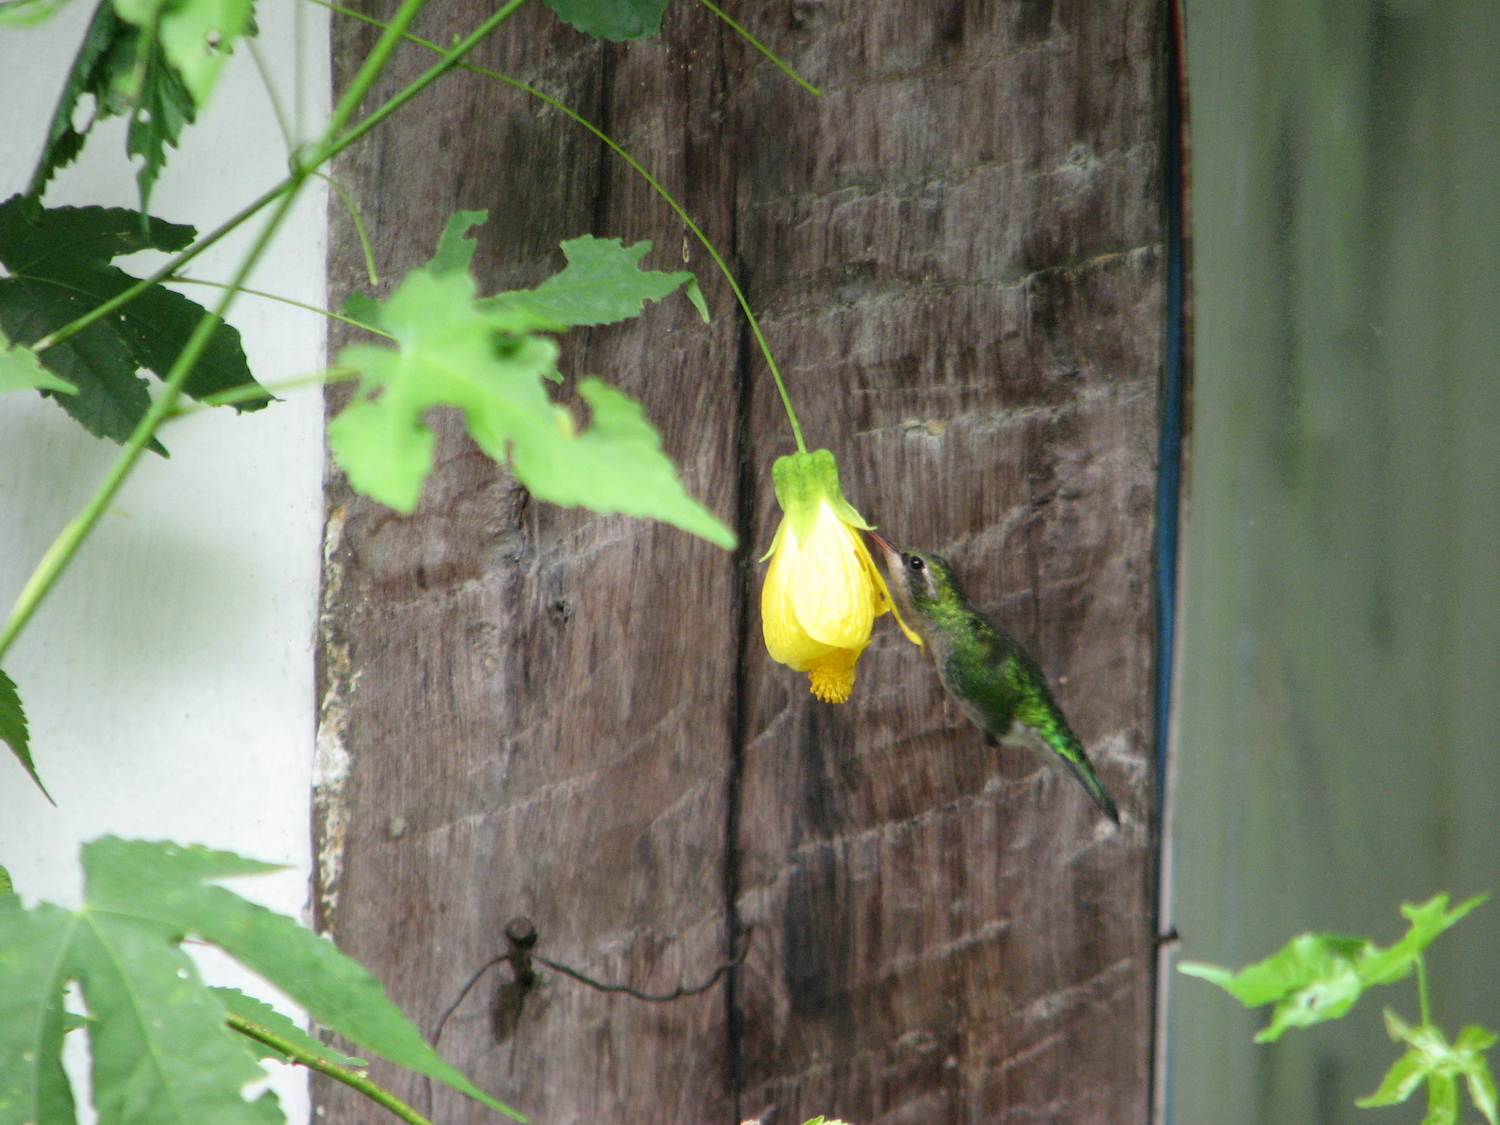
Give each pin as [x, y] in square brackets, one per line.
[330, 314]
[240, 394]
[359, 226]
[351, 1078]
[763, 49]
[368, 72]
[656, 186]
[451, 58]
[1422, 990]
[283, 123]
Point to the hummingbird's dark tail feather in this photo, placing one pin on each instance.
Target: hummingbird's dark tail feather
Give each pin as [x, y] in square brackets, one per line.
[1085, 773]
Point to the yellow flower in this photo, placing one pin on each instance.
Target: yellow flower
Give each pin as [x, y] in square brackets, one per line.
[823, 592]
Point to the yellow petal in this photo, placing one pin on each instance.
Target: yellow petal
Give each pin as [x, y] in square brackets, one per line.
[832, 594]
[786, 640]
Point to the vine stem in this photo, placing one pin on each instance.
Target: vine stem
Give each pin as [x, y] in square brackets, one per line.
[763, 49]
[351, 1078]
[251, 392]
[240, 394]
[687, 220]
[335, 140]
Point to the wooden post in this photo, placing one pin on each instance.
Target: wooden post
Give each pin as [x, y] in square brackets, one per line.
[532, 712]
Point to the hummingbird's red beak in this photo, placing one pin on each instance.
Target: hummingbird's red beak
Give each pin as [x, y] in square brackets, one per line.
[885, 543]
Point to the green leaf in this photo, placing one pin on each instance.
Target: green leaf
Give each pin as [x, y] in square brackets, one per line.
[1432, 1058]
[1431, 918]
[13, 729]
[1442, 1100]
[20, 367]
[616, 465]
[160, 1049]
[121, 82]
[1469, 1047]
[161, 1053]
[196, 35]
[59, 263]
[486, 359]
[601, 284]
[264, 1016]
[450, 354]
[695, 294]
[455, 249]
[1313, 978]
[1318, 977]
[33, 972]
[1399, 1082]
[163, 884]
[6, 886]
[612, 19]
[365, 310]
[23, 12]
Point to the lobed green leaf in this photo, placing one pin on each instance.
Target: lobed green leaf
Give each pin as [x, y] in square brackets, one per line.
[59, 264]
[612, 19]
[487, 359]
[162, 1052]
[1317, 977]
[1431, 918]
[1311, 979]
[601, 284]
[616, 465]
[1430, 1057]
[455, 249]
[162, 884]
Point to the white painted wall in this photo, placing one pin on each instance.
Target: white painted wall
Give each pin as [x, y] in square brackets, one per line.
[169, 678]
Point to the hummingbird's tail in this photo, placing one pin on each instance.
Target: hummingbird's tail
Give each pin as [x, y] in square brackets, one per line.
[1084, 772]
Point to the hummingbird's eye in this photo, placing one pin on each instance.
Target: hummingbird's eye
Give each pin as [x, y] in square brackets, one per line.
[914, 564]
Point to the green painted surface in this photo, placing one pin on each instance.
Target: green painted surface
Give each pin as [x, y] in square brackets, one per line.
[1338, 712]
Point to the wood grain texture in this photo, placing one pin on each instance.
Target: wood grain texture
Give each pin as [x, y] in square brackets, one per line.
[528, 711]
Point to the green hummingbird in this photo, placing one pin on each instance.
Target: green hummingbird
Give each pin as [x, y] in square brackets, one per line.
[993, 678]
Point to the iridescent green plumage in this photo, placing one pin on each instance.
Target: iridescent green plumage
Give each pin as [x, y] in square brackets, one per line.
[984, 668]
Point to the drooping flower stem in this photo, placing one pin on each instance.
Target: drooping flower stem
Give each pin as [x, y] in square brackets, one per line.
[667, 197]
[763, 49]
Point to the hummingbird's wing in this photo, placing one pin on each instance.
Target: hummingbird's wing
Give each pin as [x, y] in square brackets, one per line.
[1040, 714]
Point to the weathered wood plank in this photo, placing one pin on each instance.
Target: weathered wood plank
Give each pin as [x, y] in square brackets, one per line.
[957, 252]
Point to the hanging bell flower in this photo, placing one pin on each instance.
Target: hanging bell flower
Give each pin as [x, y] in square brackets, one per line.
[822, 592]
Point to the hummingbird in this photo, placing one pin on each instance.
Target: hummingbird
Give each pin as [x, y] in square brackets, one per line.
[995, 680]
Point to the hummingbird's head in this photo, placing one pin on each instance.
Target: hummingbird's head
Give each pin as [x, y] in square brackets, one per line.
[922, 583]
